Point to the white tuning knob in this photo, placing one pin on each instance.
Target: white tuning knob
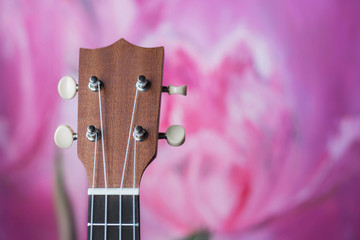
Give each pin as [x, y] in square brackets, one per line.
[64, 136]
[171, 89]
[67, 87]
[175, 135]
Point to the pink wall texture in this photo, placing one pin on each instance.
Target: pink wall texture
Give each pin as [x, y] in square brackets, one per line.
[272, 115]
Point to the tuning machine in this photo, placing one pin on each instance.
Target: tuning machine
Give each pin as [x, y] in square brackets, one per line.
[93, 134]
[67, 87]
[139, 133]
[171, 89]
[175, 135]
[94, 84]
[142, 83]
[64, 136]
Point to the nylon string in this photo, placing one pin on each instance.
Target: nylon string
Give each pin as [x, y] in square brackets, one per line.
[126, 156]
[92, 196]
[104, 165]
[134, 187]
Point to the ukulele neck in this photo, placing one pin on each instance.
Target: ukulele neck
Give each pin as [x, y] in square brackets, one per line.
[108, 225]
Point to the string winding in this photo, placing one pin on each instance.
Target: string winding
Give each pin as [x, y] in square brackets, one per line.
[92, 196]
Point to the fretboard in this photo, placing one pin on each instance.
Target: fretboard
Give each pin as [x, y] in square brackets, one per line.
[116, 228]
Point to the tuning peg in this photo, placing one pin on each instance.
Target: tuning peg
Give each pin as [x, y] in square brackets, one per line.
[64, 136]
[142, 83]
[171, 89]
[67, 87]
[94, 84]
[175, 135]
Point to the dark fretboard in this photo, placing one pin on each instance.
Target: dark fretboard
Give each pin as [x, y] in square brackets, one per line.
[129, 225]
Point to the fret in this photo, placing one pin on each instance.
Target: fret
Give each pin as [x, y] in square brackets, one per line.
[113, 224]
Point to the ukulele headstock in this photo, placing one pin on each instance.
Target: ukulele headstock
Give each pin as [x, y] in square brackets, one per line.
[121, 85]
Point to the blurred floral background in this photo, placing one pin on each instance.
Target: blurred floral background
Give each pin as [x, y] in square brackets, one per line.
[272, 116]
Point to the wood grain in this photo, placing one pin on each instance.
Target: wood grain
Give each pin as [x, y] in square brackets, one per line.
[118, 67]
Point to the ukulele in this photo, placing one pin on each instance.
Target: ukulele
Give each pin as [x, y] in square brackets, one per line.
[119, 95]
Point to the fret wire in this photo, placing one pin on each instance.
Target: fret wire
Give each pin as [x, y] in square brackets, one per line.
[114, 224]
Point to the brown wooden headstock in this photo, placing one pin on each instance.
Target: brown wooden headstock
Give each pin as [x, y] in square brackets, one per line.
[118, 67]
[130, 82]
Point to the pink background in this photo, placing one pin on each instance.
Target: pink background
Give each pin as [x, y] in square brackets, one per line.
[272, 115]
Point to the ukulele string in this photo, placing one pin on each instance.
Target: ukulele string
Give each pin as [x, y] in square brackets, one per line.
[126, 156]
[104, 165]
[92, 196]
[134, 187]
